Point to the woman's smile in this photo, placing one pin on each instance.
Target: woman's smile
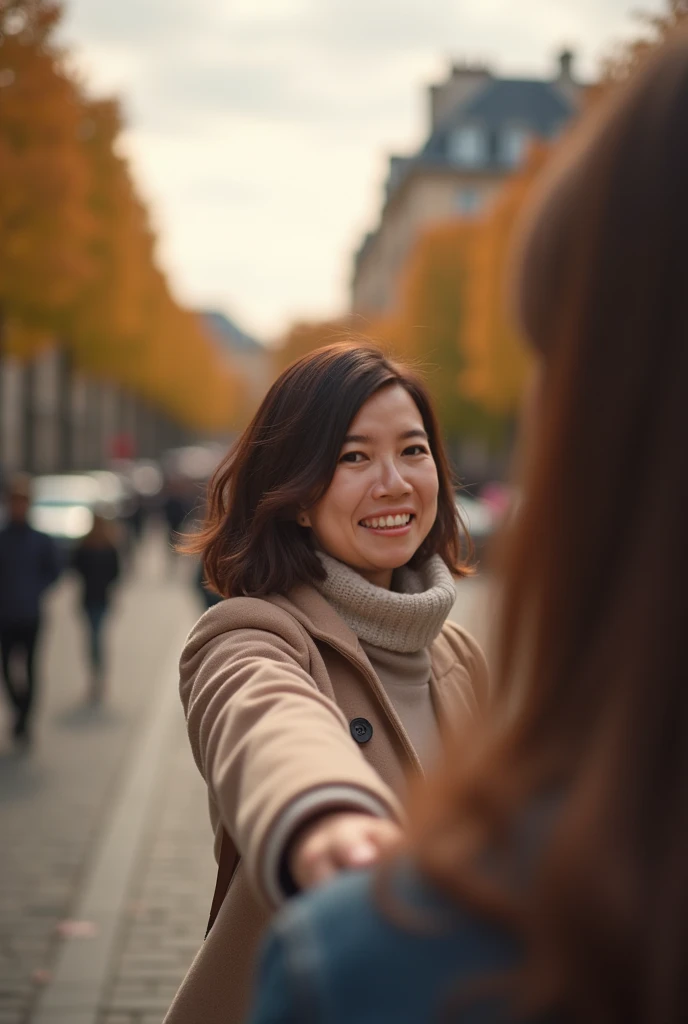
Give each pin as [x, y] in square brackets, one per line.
[389, 524]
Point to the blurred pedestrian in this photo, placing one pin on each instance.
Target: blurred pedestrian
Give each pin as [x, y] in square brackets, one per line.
[176, 507]
[96, 561]
[547, 875]
[327, 674]
[28, 566]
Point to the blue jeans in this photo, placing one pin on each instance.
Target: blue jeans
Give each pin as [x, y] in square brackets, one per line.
[18, 642]
[95, 614]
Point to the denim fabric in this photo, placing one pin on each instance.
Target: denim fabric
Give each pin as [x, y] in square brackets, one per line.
[18, 644]
[335, 957]
[95, 615]
[28, 566]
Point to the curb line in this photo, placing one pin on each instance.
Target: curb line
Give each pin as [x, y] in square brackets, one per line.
[82, 970]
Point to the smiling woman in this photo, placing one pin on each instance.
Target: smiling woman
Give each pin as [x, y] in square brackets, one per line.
[324, 679]
[381, 502]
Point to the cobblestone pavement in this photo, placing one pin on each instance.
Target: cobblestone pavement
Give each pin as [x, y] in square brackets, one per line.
[169, 899]
[54, 799]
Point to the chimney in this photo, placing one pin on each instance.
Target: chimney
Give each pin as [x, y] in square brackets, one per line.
[566, 59]
[463, 82]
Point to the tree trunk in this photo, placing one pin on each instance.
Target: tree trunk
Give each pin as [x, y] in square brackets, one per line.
[29, 416]
[65, 417]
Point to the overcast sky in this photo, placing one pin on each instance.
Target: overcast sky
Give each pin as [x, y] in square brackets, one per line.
[258, 130]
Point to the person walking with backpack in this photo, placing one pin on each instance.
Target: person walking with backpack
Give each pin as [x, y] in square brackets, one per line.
[29, 565]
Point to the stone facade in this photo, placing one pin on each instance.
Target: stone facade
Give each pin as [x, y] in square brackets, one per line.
[480, 127]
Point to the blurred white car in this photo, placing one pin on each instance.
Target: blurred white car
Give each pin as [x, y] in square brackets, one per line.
[63, 505]
[117, 496]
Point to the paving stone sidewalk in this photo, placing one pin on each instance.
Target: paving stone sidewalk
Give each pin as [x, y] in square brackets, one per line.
[169, 899]
[55, 799]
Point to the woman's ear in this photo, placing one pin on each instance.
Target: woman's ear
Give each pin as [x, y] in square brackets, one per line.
[303, 519]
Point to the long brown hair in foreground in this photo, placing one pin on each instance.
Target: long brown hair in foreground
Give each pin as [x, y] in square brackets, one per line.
[251, 542]
[585, 757]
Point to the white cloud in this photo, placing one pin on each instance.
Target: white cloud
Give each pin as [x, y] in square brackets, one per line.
[257, 130]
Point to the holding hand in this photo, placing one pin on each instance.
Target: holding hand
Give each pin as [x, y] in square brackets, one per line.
[338, 841]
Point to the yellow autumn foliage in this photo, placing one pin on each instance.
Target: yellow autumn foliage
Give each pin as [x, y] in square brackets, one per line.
[77, 254]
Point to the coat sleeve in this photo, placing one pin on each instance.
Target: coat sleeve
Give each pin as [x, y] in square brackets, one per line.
[265, 738]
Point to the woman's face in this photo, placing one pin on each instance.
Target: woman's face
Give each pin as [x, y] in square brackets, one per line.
[382, 501]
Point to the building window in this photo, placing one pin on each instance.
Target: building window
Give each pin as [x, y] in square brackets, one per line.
[468, 146]
[469, 201]
[512, 146]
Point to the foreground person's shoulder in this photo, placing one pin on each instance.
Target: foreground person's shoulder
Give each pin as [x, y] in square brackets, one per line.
[375, 946]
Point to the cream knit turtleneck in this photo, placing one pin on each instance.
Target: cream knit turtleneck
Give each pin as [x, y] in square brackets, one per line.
[406, 618]
[395, 628]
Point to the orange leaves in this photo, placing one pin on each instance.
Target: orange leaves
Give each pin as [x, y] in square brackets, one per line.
[657, 27]
[497, 361]
[44, 218]
[77, 257]
[305, 336]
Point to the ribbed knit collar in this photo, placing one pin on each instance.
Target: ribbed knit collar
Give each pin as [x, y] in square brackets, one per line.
[405, 619]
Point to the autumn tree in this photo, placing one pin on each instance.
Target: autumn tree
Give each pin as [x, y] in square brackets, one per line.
[45, 224]
[655, 29]
[307, 335]
[497, 361]
[77, 255]
[433, 315]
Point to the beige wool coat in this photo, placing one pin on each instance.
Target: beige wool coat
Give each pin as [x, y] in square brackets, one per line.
[269, 688]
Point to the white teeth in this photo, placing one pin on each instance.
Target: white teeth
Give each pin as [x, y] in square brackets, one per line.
[384, 522]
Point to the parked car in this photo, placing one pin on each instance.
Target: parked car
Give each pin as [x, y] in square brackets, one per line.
[63, 505]
[117, 496]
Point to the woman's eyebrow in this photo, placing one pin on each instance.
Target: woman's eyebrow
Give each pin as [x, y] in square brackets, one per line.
[365, 439]
[357, 439]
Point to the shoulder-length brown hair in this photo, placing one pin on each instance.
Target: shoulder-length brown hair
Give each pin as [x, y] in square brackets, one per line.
[251, 542]
[587, 742]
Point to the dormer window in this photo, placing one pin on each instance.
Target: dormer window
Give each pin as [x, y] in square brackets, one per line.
[513, 143]
[467, 146]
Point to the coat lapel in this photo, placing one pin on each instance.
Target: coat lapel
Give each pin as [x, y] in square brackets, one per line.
[323, 623]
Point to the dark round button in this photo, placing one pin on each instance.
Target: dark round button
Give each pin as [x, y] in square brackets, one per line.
[361, 730]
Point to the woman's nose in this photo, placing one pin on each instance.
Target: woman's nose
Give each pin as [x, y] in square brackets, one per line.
[391, 481]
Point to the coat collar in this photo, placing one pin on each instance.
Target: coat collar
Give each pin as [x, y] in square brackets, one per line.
[319, 618]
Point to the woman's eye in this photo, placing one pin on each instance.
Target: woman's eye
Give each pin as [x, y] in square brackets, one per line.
[416, 449]
[352, 457]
